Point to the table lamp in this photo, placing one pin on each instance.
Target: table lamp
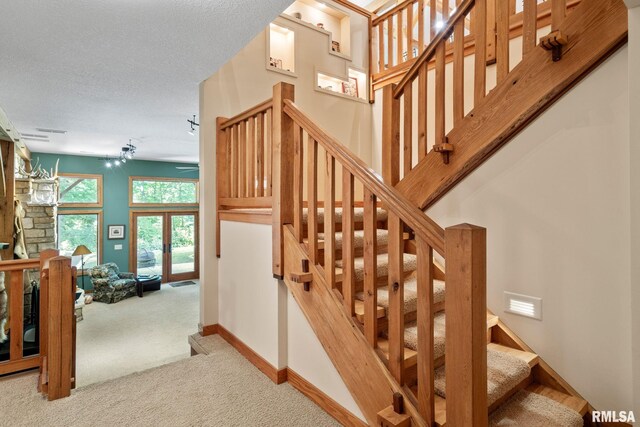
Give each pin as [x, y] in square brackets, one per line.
[81, 250]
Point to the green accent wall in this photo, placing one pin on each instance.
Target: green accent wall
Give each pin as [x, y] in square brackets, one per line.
[115, 208]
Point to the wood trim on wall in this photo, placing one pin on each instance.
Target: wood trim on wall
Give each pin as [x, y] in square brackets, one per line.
[330, 406]
[97, 177]
[162, 205]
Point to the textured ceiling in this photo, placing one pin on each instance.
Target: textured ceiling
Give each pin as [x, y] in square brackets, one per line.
[110, 70]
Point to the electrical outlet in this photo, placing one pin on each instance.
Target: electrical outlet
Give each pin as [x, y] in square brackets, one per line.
[117, 247]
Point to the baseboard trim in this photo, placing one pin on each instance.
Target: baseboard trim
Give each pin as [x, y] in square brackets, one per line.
[208, 330]
[330, 406]
[275, 375]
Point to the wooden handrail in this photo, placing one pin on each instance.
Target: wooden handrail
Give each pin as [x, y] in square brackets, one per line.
[19, 264]
[263, 106]
[392, 11]
[414, 218]
[428, 53]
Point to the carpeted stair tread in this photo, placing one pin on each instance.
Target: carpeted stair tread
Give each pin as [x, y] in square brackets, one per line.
[410, 264]
[358, 238]
[410, 295]
[358, 215]
[504, 372]
[534, 410]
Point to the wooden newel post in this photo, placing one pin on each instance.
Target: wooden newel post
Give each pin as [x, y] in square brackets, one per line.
[282, 172]
[466, 326]
[223, 173]
[61, 319]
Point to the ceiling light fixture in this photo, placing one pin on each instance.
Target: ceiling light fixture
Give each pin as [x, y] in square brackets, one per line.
[107, 162]
[193, 124]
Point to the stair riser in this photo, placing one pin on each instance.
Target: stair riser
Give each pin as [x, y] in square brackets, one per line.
[358, 252]
[382, 225]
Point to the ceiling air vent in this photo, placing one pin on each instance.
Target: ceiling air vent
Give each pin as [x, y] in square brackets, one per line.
[46, 130]
[523, 305]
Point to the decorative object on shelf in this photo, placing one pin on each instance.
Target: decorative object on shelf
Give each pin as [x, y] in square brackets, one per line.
[297, 15]
[335, 46]
[38, 173]
[350, 88]
[116, 232]
[320, 25]
[193, 124]
[81, 250]
[4, 314]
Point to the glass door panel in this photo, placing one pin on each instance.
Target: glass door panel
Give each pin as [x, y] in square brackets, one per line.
[149, 244]
[183, 246]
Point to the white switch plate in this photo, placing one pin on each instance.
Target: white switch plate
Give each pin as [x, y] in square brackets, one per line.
[117, 247]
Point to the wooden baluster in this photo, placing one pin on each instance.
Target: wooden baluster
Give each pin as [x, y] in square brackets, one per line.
[260, 155]
[491, 32]
[282, 169]
[422, 111]
[251, 180]
[512, 7]
[390, 42]
[348, 252]
[399, 37]
[234, 162]
[529, 24]
[370, 268]
[390, 136]
[433, 18]
[408, 128]
[268, 150]
[466, 343]
[480, 32]
[396, 298]
[558, 13]
[312, 196]
[223, 172]
[298, 181]
[242, 151]
[458, 71]
[421, 42]
[45, 256]
[16, 321]
[502, 44]
[440, 101]
[445, 10]
[330, 221]
[228, 134]
[381, 47]
[409, 32]
[425, 331]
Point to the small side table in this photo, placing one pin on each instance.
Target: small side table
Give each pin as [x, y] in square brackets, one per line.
[147, 283]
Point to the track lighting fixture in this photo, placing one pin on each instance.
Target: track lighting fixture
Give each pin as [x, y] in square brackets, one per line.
[193, 123]
[126, 153]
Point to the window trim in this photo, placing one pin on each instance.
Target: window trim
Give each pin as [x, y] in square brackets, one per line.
[83, 212]
[97, 177]
[158, 178]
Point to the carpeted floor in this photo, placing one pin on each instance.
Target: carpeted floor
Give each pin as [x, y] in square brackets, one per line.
[135, 334]
[220, 389]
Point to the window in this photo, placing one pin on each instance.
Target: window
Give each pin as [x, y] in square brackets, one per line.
[80, 190]
[80, 228]
[146, 191]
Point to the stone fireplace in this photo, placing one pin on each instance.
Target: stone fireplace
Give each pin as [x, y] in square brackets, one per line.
[39, 200]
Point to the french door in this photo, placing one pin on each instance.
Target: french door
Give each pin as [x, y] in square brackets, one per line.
[165, 244]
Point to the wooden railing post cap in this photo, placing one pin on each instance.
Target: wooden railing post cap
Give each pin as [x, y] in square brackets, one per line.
[465, 226]
[284, 87]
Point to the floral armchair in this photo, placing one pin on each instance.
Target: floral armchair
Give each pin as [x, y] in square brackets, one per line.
[110, 285]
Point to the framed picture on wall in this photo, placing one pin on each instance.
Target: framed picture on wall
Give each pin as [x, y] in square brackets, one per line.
[116, 232]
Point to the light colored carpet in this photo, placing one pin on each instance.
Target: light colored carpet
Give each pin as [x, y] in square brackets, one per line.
[504, 372]
[358, 238]
[410, 294]
[411, 335]
[533, 410]
[409, 260]
[358, 215]
[135, 334]
[222, 388]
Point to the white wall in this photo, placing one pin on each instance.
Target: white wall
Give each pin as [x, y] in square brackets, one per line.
[308, 359]
[634, 160]
[250, 300]
[555, 202]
